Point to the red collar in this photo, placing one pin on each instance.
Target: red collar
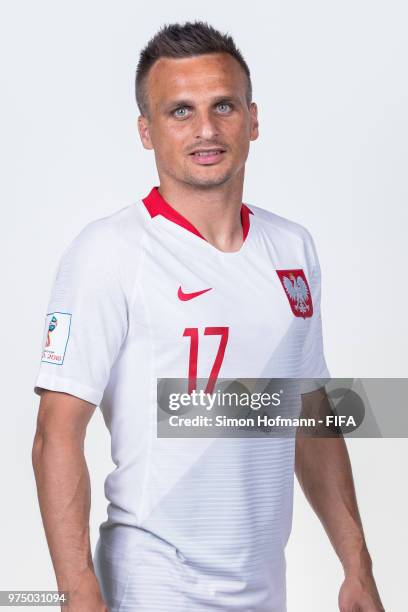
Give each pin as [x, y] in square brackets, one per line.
[157, 205]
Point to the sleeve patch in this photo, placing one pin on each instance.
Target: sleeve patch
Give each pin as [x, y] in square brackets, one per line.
[57, 328]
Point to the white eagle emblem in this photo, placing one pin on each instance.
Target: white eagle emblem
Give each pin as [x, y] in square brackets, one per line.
[297, 291]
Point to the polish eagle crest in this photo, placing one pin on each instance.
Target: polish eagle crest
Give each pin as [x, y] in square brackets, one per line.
[297, 291]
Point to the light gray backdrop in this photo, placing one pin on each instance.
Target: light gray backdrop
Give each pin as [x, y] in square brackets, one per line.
[330, 82]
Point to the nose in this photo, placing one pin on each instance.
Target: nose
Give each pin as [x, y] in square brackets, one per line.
[206, 125]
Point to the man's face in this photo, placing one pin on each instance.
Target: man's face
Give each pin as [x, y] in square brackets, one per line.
[198, 103]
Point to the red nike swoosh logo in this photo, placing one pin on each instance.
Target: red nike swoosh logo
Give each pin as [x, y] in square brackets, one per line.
[189, 296]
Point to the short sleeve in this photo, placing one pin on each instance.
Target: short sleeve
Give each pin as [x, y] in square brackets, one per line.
[315, 373]
[87, 316]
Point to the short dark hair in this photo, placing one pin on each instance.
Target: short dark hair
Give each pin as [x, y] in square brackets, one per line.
[184, 40]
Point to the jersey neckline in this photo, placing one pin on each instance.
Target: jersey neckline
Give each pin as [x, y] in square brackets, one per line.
[157, 205]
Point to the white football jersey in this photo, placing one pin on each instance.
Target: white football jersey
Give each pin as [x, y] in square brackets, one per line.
[141, 295]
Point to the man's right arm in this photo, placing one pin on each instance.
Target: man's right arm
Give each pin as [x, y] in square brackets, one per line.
[64, 495]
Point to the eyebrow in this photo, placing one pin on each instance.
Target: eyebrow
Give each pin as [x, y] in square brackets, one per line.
[168, 106]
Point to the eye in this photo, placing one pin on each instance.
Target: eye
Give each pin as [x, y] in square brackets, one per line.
[224, 107]
[180, 112]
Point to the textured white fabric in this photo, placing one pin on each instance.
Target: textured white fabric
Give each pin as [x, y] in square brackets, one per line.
[193, 524]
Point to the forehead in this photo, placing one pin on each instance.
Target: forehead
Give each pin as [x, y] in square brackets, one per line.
[189, 76]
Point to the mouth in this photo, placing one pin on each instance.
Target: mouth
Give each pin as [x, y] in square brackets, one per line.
[207, 156]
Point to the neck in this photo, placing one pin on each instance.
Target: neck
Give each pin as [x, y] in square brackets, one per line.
[215, 211]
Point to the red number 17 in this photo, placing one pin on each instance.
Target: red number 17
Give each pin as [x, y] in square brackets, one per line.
[192, 363]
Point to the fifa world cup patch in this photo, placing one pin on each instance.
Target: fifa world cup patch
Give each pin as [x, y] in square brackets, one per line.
[296, 287]
[57, 328]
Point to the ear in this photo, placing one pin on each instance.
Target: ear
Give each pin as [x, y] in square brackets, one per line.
[143, 127]
[254, 127]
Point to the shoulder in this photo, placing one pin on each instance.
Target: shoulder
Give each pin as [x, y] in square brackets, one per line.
[106, 249]
[272, 221]
[113, 231]
[279, 228]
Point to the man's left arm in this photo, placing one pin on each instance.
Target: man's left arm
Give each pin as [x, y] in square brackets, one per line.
[324, 473]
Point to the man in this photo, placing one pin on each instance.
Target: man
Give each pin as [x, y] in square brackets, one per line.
[188, 282]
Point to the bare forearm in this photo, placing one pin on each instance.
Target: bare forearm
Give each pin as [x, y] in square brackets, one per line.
[64, 496]
[324, 473]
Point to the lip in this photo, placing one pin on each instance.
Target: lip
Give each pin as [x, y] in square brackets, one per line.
[207, 159]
